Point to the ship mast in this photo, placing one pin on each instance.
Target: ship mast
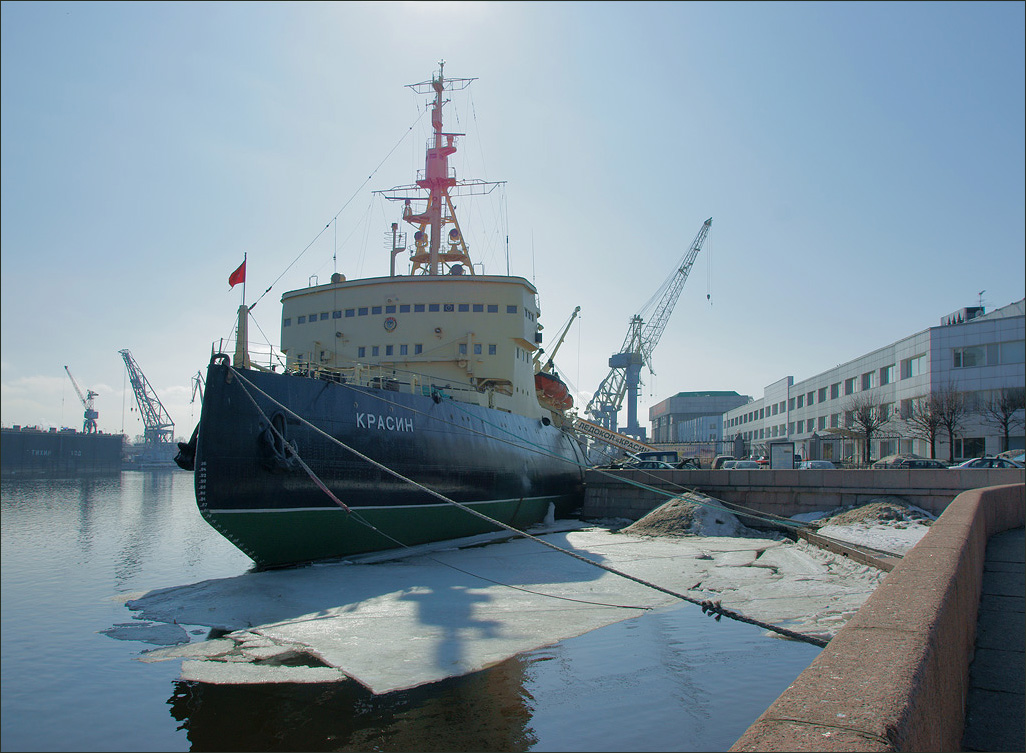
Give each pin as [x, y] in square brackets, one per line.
[436, 252]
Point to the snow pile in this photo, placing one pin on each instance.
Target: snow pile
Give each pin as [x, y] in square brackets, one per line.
[691, 514]
[887, 523]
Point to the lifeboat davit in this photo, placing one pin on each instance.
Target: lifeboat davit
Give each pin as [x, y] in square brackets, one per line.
[553, 391]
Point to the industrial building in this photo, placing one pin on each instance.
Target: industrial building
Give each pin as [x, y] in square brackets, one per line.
[973, 352]
[693, 416]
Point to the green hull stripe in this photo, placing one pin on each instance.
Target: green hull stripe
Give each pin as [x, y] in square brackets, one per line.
[282, 537]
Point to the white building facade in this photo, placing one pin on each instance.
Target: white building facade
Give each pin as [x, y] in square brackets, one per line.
[970, 351]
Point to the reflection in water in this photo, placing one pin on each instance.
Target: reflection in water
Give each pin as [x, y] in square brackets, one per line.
[484, 711]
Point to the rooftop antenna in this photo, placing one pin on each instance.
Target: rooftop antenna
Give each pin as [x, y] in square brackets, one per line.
[981, 297]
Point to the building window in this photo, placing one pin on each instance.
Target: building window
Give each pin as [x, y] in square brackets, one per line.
[887, 374]
[911, 367]
[775, 408]
[350, 312]
[361, 352]
[477, 349]
[404, 308]
[287, 323]
[1013, 351]
[388, 350]
[511, 309]
[434, 307]
[790, 404]
[448, 307]
[966, 358]
[835, 390]
[301, 320]
[464, 307]
[375, 309]
[801, 401]
[493, 308]
[463, 349]
[404, 350]
[418, 308]
[885, 411]
[324, 315]
[849, 418]
[801, 426]
[905, 406]
[390, 309]
[362, 311]
[375, 350]
[478, 307]
[491, 350]
[790, 428]
[867, 381]
[822, 394]
[810, 398]
[849, 386]
[418, 349]
[835, 420]
[337, 314]
[822, 422]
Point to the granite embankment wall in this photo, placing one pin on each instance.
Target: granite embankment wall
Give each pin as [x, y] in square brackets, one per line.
[895, 678]
[633, 494]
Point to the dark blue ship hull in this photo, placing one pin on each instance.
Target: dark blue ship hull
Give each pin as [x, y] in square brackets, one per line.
[269, 446]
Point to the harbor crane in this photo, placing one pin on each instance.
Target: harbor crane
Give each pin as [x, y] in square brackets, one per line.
[90, 415]
[624, 377]
[159, 429]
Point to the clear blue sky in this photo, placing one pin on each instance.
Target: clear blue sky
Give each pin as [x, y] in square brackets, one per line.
[863, 164]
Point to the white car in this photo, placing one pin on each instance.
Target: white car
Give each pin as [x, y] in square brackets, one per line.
[988, 463]
[745, 465]
[809, 465]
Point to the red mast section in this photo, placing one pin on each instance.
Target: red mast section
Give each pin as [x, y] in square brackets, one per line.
[436, 251]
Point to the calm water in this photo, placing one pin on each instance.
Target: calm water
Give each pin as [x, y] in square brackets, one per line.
[74, 550]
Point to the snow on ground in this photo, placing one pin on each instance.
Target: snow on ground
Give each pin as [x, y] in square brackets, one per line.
[397, 622]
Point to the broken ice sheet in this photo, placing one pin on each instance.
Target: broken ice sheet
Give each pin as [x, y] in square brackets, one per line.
[393, 625]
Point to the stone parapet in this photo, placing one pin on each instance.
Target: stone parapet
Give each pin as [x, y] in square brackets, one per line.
[897, 674]
[633, 494]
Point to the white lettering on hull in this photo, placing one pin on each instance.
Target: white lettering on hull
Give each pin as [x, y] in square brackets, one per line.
[383, 423]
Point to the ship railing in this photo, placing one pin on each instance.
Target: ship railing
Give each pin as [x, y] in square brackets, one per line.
[383, 378]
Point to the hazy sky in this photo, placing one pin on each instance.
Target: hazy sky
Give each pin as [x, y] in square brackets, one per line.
[863, 164]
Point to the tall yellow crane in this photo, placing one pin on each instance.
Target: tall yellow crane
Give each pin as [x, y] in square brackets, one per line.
[90, 415]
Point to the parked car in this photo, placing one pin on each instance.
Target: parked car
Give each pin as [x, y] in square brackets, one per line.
[908, 461]
[728, 464]
[1016, 456]
[720, 460]
[988, 462]
[692, 464]
[747, 465]
[810, 465]
[650, 465]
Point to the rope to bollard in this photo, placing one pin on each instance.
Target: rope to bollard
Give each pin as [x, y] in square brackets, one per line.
[712, 608]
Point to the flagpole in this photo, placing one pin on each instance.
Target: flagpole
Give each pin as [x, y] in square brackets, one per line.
[244, 279]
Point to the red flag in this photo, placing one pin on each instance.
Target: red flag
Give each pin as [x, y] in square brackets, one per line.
[239, 275]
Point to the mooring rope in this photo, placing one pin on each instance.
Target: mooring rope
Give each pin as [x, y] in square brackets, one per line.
[709, 607]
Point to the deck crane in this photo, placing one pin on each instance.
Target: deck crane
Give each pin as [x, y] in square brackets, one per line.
[158, 429]
[90, 415]
[625, 366]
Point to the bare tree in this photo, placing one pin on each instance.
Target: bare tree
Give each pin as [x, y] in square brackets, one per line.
[925, 422]
[867, 418]
[1004, 411]
[952, 409]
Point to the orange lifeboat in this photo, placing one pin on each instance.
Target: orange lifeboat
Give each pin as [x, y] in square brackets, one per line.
[552, 390]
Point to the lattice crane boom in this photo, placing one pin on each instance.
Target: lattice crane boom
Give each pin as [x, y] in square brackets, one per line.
[625, 367]
[90, 415]
[158, 426]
